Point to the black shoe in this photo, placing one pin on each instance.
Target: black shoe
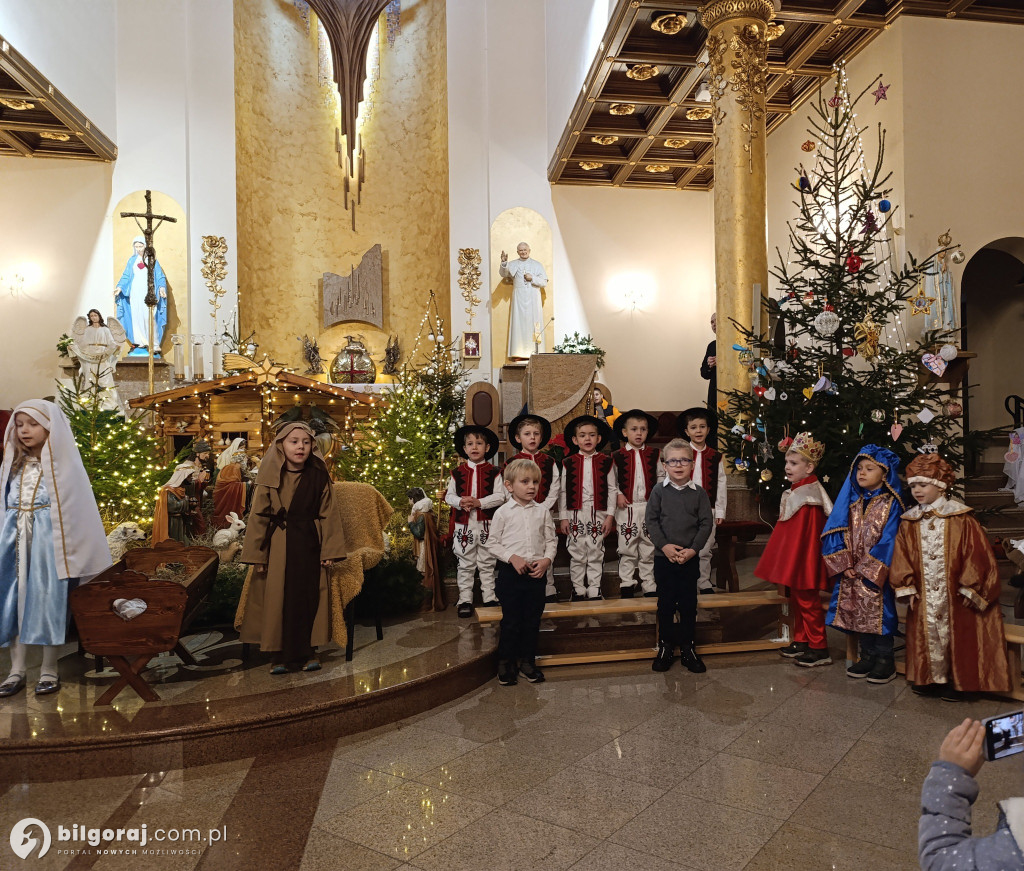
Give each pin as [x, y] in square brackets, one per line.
[577, 597]
[706, 590]
[531, 672]
[627, 592]
[663, 661]
[553, 598]
[650, 595]
[12, 685]
[691, 660]
[949, 693]
[493, 603]
[792, 651]
[813, 657]
[596, 598]
[883, 672]
[465, 609]
[507, 673]
[927, 689]
[862, 668]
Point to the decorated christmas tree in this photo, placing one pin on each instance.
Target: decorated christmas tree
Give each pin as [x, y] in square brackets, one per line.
[839, 359]
[408, 442]
[123, 460]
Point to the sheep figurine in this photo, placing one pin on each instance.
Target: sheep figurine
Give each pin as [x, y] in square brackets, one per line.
[225, 541]
[120, 537]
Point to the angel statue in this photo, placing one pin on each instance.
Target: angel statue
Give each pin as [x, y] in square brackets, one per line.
[97, 345]
[311, 354]
[391, 354]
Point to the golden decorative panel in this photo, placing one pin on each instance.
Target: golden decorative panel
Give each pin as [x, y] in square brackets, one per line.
[699, 113]
[642, 72]
[590, 164]
[604, 140]
[622, 108]
[676, 143]
[292, 222]
[669, 23]
[657, 167]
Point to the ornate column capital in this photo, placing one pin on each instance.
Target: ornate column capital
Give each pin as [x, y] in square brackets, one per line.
[718, 11]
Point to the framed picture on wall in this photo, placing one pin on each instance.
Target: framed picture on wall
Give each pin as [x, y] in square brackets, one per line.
[470, 346]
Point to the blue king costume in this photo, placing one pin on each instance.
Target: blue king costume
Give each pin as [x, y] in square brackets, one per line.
[860, 535]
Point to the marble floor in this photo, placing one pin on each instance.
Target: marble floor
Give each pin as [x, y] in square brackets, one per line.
[756, 765]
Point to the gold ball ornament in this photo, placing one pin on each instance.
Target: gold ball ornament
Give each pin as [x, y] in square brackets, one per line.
[766, 475]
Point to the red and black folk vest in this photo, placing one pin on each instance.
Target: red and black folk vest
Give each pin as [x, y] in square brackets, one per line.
[572, 480]
[486, 475]
[547, 468]
[710, 464]
[626, 467]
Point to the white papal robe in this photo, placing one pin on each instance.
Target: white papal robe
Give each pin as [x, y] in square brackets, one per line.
[526, 316]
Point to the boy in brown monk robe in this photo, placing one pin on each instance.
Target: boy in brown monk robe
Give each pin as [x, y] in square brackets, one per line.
[293, 537]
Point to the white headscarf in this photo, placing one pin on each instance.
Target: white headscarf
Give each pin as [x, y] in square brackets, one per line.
[79, 542]
[141, 239]
[228, 453]
[182, 472]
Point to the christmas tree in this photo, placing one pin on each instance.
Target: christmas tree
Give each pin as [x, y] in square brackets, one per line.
[839, 362]
[408, 442]
[123, 461]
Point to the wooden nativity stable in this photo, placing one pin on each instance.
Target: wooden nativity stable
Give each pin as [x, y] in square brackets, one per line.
[245, 405]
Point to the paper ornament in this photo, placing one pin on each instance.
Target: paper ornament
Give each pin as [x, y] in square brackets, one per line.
[853, 264]
[827, 321]
[769, 394]
[878, 415]
[934, 364]
[808, 392]
[868, 333]
[836, 101]
[760, 391]
[783, 396]
[808, 146]
[821, 384]
[926, 415]
[879, 92]
[785, 443]
[948, 352]
[896, 430]
[952, 409]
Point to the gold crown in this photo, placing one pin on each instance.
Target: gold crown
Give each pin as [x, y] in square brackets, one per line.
[805, 445]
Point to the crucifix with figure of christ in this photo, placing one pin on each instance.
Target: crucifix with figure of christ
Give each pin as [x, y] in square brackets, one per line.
[149, 258]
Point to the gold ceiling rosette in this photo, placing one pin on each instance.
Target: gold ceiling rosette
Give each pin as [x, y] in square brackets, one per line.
[642, 72]
[590, 165]
[676, 143]
[622, 108]
[604, 140]
[669, 23]
[657, 167]
[699, 113]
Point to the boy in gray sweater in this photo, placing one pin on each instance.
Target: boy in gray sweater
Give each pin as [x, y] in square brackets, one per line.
[679, 521]
[945, 841]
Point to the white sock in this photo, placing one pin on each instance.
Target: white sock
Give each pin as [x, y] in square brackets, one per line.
[49, 666]
[18, 654]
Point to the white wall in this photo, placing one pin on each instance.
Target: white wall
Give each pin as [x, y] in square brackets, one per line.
[57, 215]
[513, 74]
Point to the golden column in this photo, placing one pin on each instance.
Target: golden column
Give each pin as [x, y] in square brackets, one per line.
[737, 58]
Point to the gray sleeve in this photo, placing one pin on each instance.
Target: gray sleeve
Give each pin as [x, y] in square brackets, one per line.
[705, 520]
[653, 519]
[944, 832]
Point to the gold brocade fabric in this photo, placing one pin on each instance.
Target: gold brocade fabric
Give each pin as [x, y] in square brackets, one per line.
[964, 573]
[859, 607]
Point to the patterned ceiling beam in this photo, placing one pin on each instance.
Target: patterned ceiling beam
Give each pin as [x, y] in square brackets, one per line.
[349, 25]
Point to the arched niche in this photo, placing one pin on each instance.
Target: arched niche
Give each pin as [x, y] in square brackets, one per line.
[992, 321]
[515, 225]
[171, 245]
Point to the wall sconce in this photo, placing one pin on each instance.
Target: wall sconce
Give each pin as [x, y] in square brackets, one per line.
[632, 290]
[13, 283]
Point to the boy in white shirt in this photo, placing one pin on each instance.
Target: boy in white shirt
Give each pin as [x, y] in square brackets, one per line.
[474, 491]
[522, 539]
[586, 503]
[695, 425]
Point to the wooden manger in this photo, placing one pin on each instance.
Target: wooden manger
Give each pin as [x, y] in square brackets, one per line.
[171, 605]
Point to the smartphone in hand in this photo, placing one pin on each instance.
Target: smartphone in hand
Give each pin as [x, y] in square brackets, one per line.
[1004, 735]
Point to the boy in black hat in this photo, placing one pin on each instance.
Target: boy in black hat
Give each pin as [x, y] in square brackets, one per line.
[474, 491]
[697, 425]
[528, 433]
[637, 469]
[586, 503]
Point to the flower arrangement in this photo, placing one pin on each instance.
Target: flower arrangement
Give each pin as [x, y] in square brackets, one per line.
[64, 345]
[577, 344]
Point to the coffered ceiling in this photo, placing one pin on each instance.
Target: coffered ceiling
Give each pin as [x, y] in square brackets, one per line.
[37, 120]
[639, 120]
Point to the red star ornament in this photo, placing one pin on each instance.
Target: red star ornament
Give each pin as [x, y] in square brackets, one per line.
[879, 92]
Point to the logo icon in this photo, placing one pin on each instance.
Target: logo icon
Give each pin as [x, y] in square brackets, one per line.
[25, 839]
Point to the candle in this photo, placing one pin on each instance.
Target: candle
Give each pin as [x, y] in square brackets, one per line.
[218, 360]
[197, 361]
[179, 358]
[757, 310]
